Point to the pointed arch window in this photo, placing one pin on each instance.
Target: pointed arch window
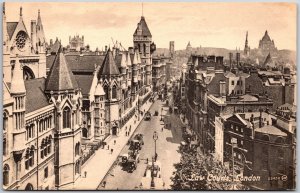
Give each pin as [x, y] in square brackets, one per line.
[144, 49]
[114, 92]
[5, 121]
[5, 175]
[106, 90]
[67, 117]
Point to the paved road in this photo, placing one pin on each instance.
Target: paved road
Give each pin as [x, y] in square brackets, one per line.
[167, 148]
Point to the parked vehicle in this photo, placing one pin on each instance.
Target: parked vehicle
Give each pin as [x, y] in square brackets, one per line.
[147, 116]
[130, 161]
[139, 137]
[135, 145]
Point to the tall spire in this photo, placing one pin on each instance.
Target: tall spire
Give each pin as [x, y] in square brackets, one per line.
[142, 9]
[246, 42]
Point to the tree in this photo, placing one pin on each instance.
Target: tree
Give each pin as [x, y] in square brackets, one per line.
[199, 172]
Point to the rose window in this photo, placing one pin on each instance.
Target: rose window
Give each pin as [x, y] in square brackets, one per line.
[21, 40]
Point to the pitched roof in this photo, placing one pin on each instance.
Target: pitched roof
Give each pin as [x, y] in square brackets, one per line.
[60, 77]
[11, 27]
[84, 82]
[77, 63]
[142, 25]
[35, 97]
[213, 86]
[270, 129]
[85, 63]
[55, 47]
[109, 66]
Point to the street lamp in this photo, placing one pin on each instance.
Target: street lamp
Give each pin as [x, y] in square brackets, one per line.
[155, 138]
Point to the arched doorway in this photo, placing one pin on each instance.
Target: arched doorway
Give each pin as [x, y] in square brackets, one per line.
[27, 73]
[84, 132]
[29, 187]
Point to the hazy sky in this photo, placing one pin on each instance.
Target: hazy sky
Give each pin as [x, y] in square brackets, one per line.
[206, 24]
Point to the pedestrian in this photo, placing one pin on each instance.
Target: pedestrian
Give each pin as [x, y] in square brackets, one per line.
[162, 129]
[108, 147]
[85, 173]
[147, 160]
[114, 142]
[111, 151]
[104, 184]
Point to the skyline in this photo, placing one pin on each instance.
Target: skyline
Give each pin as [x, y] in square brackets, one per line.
[179, 22]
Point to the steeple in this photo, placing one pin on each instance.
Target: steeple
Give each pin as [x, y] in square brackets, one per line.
[17, 82]
[123, 61]
[109, 66]
[246, 41]
[60, 77]
[40, 35]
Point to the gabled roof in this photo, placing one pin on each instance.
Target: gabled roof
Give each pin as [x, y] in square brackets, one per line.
[238, 119]
[60, 77]
[142, 25]
[35, 97]
[109, 66]
[11, 27]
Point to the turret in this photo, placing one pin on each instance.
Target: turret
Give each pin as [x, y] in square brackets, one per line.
[18, 93]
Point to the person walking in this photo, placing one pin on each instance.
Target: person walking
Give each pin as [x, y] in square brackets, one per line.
[104, 184]
[162, 129]
[85, 173]
[112, 150]
[108, 147]
[114, 142]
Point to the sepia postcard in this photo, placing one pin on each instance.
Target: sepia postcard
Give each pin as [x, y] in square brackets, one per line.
[149, 96]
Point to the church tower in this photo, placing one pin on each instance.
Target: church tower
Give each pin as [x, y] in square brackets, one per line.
[247, 48]
[62, 89]
[142, 39]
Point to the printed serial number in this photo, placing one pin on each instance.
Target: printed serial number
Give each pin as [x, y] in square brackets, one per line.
[276, 178]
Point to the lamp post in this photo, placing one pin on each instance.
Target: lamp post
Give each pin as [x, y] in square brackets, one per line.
[155, 137]
[152, 174]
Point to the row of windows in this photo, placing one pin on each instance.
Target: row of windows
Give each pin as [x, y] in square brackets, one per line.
[236, 128]
[45, 123]
[239, 82]
[46, 147]
[113, 93]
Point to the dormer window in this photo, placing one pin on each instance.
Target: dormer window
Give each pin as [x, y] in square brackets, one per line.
[67, 117]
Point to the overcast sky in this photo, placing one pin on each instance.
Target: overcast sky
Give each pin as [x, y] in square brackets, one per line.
[206, 24]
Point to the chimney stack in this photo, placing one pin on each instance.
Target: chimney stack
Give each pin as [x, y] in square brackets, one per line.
[230, 60]
[238, 56]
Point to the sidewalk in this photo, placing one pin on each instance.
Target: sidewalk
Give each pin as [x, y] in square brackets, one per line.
[98, 165]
